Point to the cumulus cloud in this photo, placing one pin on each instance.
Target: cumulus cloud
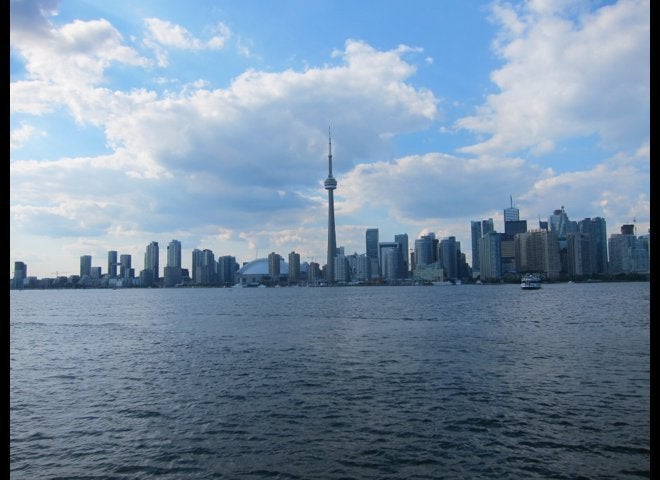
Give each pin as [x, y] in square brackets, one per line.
[566, 77]
[162, 34]
[62, 63]
[20, 135]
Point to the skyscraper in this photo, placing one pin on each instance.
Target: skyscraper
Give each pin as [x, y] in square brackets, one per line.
[475, 230]
[597, 230]
[125, 269]
[151, 259]
[371, 237]
[112, 263]
[85, 265]
[174, 254]
[402, 240]
[20, 274]
[511, 214]
[294, 267]
[330, 184]
[172, 270]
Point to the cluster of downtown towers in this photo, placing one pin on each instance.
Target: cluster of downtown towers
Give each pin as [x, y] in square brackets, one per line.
[557, 248]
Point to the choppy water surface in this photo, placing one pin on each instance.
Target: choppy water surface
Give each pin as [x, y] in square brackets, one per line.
[331, 383]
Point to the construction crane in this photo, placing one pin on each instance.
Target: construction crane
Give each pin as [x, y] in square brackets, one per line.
[57, 274]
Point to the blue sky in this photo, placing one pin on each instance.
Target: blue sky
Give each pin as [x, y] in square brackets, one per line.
[207, 122]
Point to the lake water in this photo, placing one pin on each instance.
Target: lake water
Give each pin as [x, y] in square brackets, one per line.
[460, 381]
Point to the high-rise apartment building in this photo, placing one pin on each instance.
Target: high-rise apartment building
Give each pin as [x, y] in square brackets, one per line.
[20, 274]
[475, 235]
[174, 254]
[125, 269]
[596, 228]
[449, 254]
[371, 238]
[490, 256]
[274, 261]
[341, 268]
[537, 251]
[151, 257]
[227, 268]
[628, 254]
[402, 240]
[294, 267]
[112, 263]
[172, 273]
[85, 265]
[393, 267]
[391, 262]
[203, 267]
[426, 250]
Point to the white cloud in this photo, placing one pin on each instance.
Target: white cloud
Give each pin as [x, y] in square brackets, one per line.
[567, 78]
[172, 35]
[20, 135]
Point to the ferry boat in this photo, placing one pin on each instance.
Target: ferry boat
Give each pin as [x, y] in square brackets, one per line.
[530, 281]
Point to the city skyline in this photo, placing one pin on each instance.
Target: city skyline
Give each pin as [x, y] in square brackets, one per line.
[558, 223]
[152, 121]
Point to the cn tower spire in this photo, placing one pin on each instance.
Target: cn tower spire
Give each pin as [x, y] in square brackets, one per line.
[329, 154]
[330, 184]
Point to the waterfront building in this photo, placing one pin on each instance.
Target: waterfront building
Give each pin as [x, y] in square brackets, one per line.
[390, 257]
[371, 237]
[274, 261]
[578, 249]
[20, 274]
[341, 268]
[537, 251]
[394, 270]
[429, 272]
[330, 185]
[204, 267]
[294, 267]
[151, 257]
[147, 278]
[174, 254]
[449, 252]
[95, 273]
[628, 254]
[172, 274]
[402, 240]
[475, 235]
[112, 263]
[227, 268]
[85, 265]
[426, 250]
[512, 226]
[362, 268]
[490, 256]
[596, 228]
[125, 269]
[314, 275]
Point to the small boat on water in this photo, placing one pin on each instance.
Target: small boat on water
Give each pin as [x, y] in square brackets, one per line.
[530, 281]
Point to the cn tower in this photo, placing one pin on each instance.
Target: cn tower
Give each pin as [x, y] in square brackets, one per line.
[330, 184]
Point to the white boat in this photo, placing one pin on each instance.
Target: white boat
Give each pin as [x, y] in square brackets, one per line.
[442, 283]
[530, 281]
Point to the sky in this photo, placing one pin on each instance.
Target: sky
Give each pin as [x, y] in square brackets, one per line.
[208, 122]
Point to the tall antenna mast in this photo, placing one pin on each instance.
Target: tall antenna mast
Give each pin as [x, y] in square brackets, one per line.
[329, 153]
